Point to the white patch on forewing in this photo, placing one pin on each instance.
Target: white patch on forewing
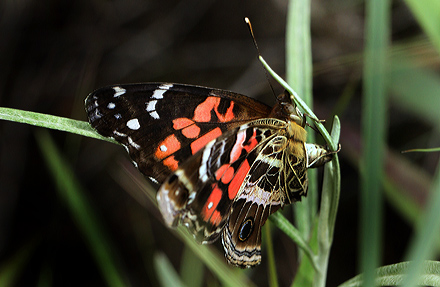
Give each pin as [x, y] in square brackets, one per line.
[118, 116]
[111, 106]
[151, 106]
[158, 93]
[135, 164]
[210, 205]
[154, 115]
[116, 133]
[133, 124]
[118, 91]
[132, 143]
[163, 148]
[97, 115]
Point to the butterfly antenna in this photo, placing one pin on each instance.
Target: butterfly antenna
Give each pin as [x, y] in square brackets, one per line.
[248, 22]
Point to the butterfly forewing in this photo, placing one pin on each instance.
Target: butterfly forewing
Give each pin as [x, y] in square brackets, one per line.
[161, 125]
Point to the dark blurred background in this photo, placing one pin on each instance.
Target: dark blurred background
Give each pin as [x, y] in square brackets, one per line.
[53, 53]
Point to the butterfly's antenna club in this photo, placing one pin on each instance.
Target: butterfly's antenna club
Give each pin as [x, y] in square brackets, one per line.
[248, 22]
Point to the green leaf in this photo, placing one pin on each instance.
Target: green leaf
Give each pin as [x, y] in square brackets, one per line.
[271, 265]
[51, 122]
[393, 275]
[10, 270]
[409, 83]
[427, 234]
[427, 12]
[165, 272]
[282, 223]
[299, 75]
[216, 263]
[192, 269]
[374, 109]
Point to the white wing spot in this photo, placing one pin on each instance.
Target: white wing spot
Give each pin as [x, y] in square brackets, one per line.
[210, 205]
[116, 133]
[118, 91]
[97, 115]
[158, 93]
[154, 115]
[203, 173]
[133, 124]
[151, 106]
[111, 106]
[118, 116]
[133, 144]
[155, 181]
[163, 148]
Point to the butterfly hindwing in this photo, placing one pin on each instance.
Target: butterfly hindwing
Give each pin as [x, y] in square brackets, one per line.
[201, 192]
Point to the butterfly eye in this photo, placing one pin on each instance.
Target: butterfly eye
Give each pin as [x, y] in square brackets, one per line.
[246, 229]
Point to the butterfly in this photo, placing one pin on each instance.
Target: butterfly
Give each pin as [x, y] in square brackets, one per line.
[224, 161]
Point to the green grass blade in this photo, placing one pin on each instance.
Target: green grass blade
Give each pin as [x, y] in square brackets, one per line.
[284, 225]
[51, 122]
[299, 75]
[394, 275]
[427, 13]
[192, 269]
[306, 272]
[373, 131]
[165, 272]
[271, 265]
[427, 234]
[10, 270]
[331, 189]
[73, 196]
[408, 82]
[216, 263]
[436, 149]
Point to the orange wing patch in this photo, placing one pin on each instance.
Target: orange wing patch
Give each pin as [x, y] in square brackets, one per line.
[203, 111]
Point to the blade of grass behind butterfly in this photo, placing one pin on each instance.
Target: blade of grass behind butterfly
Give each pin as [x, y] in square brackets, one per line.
[226, 274]
[299, 76]
[408, 81]
[426, 235]
[12, 269]
[373, 134]
[427, 13]
[268, 243]
[73, 196]
[167, 275]
[191, 269]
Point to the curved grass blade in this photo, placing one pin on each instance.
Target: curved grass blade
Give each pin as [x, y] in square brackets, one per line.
[51, 122]
[393, 275]
[299, 75]
[426, 236]
[165, 271]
